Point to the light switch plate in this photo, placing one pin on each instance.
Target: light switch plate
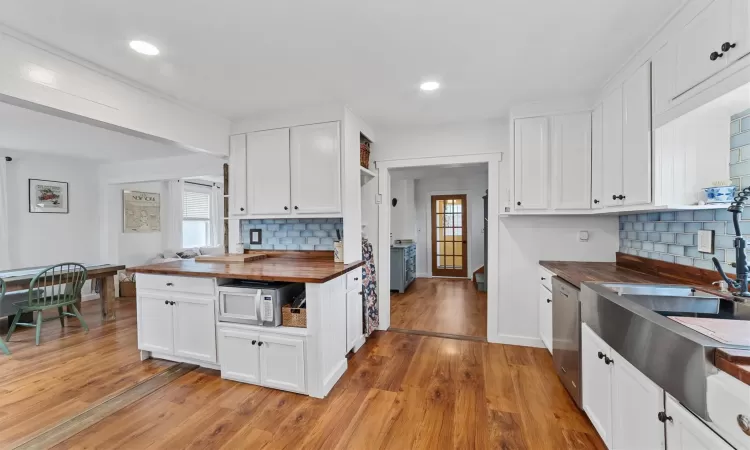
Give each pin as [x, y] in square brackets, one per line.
[706, 241]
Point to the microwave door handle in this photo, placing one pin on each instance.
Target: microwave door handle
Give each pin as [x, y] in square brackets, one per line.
[258, 309]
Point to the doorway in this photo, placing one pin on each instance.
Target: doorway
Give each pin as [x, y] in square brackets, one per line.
[449, 235]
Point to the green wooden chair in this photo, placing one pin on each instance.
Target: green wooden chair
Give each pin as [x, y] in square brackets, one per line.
[3, 347]
[57, 286]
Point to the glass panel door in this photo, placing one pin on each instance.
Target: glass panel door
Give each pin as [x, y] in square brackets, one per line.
[449, 239]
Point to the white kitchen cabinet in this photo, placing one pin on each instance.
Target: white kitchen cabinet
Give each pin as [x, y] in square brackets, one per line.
[268, 177]
[316, 168]
[636, 403]
[571, 161]
[636, 137]
[597, 163]
[282, 362]
[155, 323]
[596, 382]
[545, 317]
[353, 317]
[531, 163]
[238, 175]
[698, 40]
[687, 432]
[194, 328]
[612, 149]
[239, 355]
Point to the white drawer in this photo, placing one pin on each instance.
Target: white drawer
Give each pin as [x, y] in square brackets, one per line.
[354, 279]
[545, 277]
[729, 401]
[171, 283]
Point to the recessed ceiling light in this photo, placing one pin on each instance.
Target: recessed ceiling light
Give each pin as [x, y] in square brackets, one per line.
[144, 48]
[429, 85]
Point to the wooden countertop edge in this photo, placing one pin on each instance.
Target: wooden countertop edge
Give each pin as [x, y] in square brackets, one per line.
[737, 369]
[153, 270]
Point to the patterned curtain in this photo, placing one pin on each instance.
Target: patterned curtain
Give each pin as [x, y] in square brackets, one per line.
[369, 289]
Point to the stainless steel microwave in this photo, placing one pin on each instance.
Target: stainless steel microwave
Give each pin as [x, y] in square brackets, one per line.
[256, 303]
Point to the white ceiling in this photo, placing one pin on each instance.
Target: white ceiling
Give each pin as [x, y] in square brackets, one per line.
[237, 58]
[27, 130]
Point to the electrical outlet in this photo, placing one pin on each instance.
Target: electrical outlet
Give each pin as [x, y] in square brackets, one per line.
[583, 236]
[706, 241]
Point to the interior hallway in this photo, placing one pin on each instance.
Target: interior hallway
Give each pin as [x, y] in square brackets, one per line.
[441, 305]
[401, 391]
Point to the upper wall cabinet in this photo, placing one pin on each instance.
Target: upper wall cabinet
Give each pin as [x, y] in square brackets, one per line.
[597, 160]
[636, 137]
[286, 171]
[316, 168]
[531, 156]
[571, 161]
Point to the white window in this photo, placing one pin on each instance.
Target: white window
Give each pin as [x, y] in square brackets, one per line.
[196, 217]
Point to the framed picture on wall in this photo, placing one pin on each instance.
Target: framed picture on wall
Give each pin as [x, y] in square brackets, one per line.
[46, 196]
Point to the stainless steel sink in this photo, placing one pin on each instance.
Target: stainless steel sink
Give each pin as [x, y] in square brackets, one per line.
[666, 290]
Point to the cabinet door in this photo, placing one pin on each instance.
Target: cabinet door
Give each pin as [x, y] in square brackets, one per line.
[636, 137]
[531, 156]
[239, 355]
[268, 181]
[740, 30]
[545, 317]
[353, 317]
[702, 36]
[194, 328]
[238, 175]
[597, 148]
[282, 362]
[571, 161]
[636, 403]
[155, 325]
[687, 432]
[612, 149]
[596, 382]
[316, 168]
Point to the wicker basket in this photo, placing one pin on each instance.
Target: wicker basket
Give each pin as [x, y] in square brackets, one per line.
[293, 317]
[364, 155]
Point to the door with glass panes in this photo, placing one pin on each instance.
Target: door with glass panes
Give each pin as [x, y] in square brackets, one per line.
[449, 236]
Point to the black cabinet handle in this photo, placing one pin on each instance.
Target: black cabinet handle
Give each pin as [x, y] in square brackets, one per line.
[260, 344]
[253, 343]
[549, 300]
[725, 47]
[663, 417]
[600, 355]
[518, 203]
[286, 208]
[596, 201]
[170, 284]
[608, 360]
[715, 55]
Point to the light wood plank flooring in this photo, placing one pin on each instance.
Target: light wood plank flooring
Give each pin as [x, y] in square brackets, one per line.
[401, 391]
[441, 305]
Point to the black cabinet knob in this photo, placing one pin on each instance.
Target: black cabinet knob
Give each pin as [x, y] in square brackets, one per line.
[296, 207]
[715, 55]
[242, 209]
[621, 197]
[549, 300]
[171, 303]
[596, 201]
[286, 208]
[260, 344]
[614, 197]
[543, 278]
[170, 284]
[518, 203]
[600, 355]
[663, 417]
[608, 360]
[725, 47]
[254, 342]
[166, 302]
[356, 279]
[360, 292]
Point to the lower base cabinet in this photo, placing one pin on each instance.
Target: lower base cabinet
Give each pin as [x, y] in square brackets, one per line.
[266, 359]
[545, 317]
[353, 317]
[687, 432]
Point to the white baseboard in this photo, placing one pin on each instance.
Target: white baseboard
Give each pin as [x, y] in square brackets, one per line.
[89, 297]
[510, 339]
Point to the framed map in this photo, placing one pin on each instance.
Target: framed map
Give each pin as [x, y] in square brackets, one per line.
[47, 196]
[141, 212]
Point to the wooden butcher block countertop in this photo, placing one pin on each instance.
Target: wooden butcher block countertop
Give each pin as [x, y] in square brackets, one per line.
[576, 273]
[276, 267]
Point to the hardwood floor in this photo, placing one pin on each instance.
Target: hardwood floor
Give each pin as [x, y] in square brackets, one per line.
[400, 391]
[441, 305]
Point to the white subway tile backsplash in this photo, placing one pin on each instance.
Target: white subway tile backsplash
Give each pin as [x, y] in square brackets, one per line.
[293, 234]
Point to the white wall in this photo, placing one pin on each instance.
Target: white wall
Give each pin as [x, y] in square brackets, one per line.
[45, 239]
[474, 187]
[134, 248]
[403, 215]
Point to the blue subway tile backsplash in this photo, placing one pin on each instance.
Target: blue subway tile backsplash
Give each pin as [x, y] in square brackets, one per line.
[292, 234]
[676, 238]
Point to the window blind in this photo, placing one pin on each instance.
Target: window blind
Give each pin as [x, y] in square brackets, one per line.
[196, 205]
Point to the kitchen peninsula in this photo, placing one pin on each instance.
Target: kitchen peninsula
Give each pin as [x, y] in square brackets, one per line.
[180, 310]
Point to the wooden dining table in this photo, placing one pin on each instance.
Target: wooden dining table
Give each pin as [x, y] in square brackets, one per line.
[18, 279]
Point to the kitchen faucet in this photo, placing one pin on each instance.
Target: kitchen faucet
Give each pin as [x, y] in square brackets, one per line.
[739, 247]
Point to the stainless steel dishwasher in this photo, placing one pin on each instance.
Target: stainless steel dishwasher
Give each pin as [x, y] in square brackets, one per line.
[566, 336]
